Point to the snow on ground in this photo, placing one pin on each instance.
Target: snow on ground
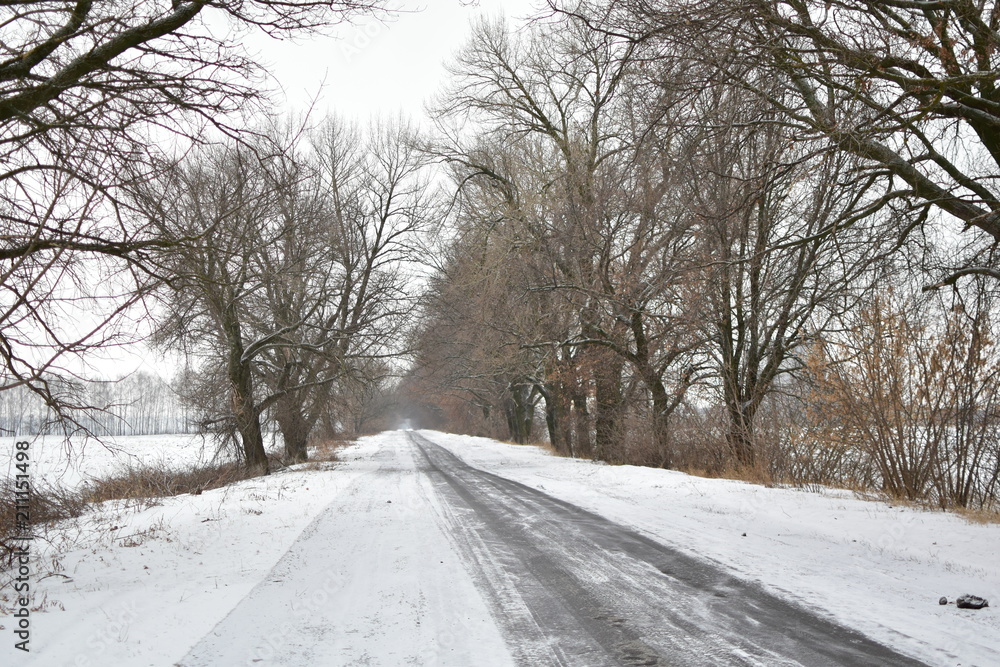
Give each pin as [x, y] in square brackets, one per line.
[875, 567]
[143, 585]
[53, 460]
[130, 584]
[373, 580]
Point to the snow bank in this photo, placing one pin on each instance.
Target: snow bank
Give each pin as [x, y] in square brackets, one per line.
[344, 564]
[143, 586]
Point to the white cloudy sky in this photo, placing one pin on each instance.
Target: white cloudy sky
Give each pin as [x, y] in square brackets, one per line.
[372, 67]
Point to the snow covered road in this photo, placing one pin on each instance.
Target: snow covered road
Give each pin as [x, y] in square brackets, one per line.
[371, 581]
[572, 588]
[564, 586]
[424, 548]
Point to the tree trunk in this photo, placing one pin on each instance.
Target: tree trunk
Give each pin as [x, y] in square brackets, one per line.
[242, 396]
[610, 403]
[247, 419]
[740, 437]
[581, 442]
[520, 412]
[557, 412]
[295, 428]
[662, 408]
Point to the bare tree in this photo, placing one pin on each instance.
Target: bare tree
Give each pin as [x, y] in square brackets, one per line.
[289, 270]
[87, 92]
[907, 87]
[479, 315]
[585, 166]
[911, 390]
[787, 242]
[221, 213]
[368, 203]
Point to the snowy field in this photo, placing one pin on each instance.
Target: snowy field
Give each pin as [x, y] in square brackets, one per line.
[69, 464]
[142, 587]
[137, 586]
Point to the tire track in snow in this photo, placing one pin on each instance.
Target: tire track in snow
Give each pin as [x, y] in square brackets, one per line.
[371, 581]
[569, 587]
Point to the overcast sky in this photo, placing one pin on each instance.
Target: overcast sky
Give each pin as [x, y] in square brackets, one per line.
[373, 67]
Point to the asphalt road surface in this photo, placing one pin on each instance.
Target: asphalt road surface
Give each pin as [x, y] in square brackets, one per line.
[554, 585]
[572, 588]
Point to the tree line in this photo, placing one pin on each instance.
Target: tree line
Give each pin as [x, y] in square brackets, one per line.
[751, 237]
[726, 236]
[288, 282]
[138, 404]
[147, 184]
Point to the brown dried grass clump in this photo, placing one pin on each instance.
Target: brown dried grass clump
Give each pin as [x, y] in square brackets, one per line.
[327, 449]
[46, 504]
[160, 481]
[980, 516]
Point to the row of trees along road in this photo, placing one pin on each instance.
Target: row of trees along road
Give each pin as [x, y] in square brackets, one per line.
[677, 231]
[669, 213]
[89, 91]
[288, 271]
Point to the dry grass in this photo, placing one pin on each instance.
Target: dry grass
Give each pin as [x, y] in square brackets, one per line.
[976, 515]
[159, 481]
[146, 483]
[142, 484]
[979, 516]
[547, 446]
[45, 506]
[136, 482]
[327, 449]
[760, 476]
